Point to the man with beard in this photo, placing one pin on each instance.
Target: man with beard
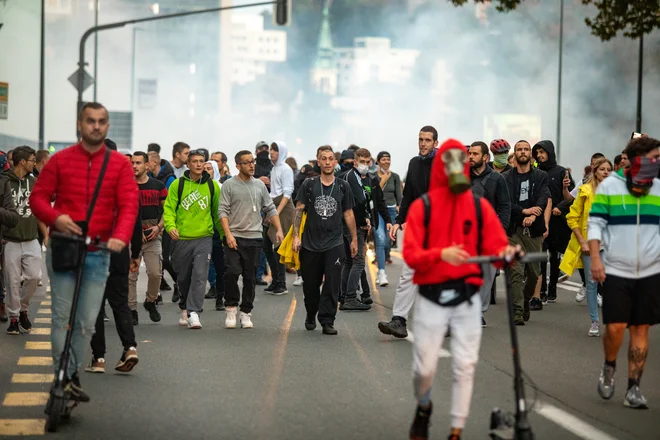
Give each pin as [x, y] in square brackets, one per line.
[490, 185]
[528, 191]
[328, 202]
[559, 233]
[417, 183]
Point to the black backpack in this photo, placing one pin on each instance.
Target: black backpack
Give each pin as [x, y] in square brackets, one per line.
[182, 182]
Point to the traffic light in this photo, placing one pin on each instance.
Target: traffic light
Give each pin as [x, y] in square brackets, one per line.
[282, 12]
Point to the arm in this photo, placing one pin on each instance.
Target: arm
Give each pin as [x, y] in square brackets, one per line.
[8, 215]
[169, 181]
[287, 186]
[503, 203]
[300, 209]
[548, 214]
[44, 231]
[543, 192]
[397, 190]
[136, 239]
[349, 219]
[42, 195]
[169, 214]
[126, 200]
[414, 253]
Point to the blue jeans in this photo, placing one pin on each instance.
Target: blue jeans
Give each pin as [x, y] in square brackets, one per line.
[382, 242]
[592, 289]
[62, 285]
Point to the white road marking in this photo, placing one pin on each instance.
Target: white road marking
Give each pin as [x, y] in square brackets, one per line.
[571, 283]
[569, 288]
[571, 423]
[443, 353]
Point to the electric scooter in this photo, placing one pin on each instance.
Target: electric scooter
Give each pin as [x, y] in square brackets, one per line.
[61, 402]
[505, 425]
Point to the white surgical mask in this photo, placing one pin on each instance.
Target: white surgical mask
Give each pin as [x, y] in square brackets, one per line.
[363, 169]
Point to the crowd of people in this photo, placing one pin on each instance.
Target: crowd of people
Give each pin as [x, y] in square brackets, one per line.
[190, 218]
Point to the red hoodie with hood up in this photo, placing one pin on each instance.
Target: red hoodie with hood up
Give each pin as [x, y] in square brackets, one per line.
[453, 222]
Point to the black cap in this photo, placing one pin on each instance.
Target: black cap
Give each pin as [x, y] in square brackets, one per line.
[381, 155]
[347, 154]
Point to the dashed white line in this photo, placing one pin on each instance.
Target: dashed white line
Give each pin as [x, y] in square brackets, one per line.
[571, 423]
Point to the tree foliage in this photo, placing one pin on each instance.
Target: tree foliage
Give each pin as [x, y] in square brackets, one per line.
[631, 18]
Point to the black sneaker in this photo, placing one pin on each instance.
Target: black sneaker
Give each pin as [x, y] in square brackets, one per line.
[353, 305]
[159, 300]
[270, 288]
[280, 290]
[396, 327]
[483, 322]
[164, 285]
[261, 282]
[310, 322]
[24, 324]
[329, 329]
[420, 426]
[13, 327]
[211, 294]
[535, 304]
[366, 299]
[220, 304]
[75, 388]
[176, 296]
[105, 316]
[552, 298]
[150, 307]
[134, 313]
[519, 320]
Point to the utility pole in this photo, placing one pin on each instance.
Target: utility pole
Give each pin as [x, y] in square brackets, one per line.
[96, 46]
[640, 75]
[42, 77]
[559, 75]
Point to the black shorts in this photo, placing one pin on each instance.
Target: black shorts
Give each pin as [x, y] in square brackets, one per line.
[631, 301]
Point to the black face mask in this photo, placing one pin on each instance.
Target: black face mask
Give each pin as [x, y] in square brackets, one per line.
[346, 166]
[263, 157]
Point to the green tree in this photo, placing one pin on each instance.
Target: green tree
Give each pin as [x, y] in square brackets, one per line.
[631, 18]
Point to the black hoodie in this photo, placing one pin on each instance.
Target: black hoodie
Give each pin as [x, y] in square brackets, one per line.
[166, 173]
[559, 233]
[417, 183]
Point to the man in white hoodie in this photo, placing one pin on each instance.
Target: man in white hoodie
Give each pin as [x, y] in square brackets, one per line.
[281, 190]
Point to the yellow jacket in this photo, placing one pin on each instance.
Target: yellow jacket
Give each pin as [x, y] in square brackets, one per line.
[287, 256]
[577, 218]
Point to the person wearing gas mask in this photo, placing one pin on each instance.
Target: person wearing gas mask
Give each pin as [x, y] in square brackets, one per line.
[368, 203]
[445, 228]
[500, 149]
[417, 183]
[528, 190]
[623, 222]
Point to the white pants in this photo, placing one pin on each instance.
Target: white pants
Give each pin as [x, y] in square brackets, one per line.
[431, 322]
[489, 273]
[405, 294]
[22, 262]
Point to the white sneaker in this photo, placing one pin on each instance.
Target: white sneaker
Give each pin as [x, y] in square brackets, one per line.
[594, 330]
[246, 320]
[298, 282]
[183, 319]
[194, 322]
[600, 300]
[582, 293]
[230, 320]
[381, 278]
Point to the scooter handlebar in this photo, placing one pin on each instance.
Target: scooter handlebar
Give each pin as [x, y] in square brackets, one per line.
[534, 257]
[96, 242]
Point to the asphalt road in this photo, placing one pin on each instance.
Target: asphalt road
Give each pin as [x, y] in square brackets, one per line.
[279, 381]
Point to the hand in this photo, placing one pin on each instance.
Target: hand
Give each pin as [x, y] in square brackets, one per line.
[533, 211]
[116, 245]
[297, 244]
[566, 182]
[585, 247]
[135, 265]
[529, 221]
[397, 209]
[511, 252]
[388, 226]
[279, 237]
[546, 233]
[65, 224]
[454, 255]
[354, 248]
[556, 211]
[46, 241]
[597, 269]
[174, 234]
[231, 242]
[155, 230]
[393, 231]
[265, 180]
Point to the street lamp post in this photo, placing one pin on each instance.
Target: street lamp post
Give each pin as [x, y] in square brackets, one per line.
[135, 30]
[42, 77]
[561, 53]
[640, 75]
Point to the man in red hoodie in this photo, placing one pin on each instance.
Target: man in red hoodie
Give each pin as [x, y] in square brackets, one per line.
[463, 225]
[70, 178]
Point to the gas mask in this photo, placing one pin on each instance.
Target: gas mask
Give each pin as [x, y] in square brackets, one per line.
[640, 175]
[455, 160]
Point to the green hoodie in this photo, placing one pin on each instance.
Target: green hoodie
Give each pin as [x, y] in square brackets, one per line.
[195, 217]
[27, 228]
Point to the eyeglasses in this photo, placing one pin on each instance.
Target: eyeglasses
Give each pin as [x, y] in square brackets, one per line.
[251, 162]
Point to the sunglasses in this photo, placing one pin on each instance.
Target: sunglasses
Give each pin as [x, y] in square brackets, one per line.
[200, 152]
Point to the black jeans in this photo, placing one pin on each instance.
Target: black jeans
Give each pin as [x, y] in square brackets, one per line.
[116, 293]
[314, 266]
[278, 270]
[167, 260]
[243, 261]
[354, 272]
[551, 287]
[218, 260]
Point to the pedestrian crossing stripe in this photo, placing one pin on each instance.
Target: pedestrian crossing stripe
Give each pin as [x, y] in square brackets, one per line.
[45, 303]
[43, 321]
[25, 399]
[32, 378]
[572, 283]
[38, 345]
[43, 312]
[40, 331]
[22, 427]
[35, 360]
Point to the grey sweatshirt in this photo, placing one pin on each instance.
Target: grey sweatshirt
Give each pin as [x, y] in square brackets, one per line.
[242, 203]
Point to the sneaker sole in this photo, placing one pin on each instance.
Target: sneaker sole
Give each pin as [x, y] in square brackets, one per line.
[631, 406]
[22, 329]
[387, 331]
[247, 327]
[96, 370]
[385, 284]
[194, 326]
[16, 333]
[593, 335]
[230, 326]
[128, 365]
[280, 293]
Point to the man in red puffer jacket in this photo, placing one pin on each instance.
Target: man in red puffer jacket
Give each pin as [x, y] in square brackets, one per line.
[460, 225]
[70, 178]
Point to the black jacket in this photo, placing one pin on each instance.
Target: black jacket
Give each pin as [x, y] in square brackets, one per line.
[417, 183]
[8, 215]
[538, 194]
[120, 263]
[492, 186]
[365, 191]
[379, 206]
[166, 171]
[559, 234]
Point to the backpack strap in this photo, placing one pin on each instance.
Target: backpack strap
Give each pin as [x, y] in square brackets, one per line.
[427, 218]
[182, 182]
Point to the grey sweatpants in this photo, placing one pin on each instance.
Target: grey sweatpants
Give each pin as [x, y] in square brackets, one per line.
[22, 263]
[489, 273]
[190, 259]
